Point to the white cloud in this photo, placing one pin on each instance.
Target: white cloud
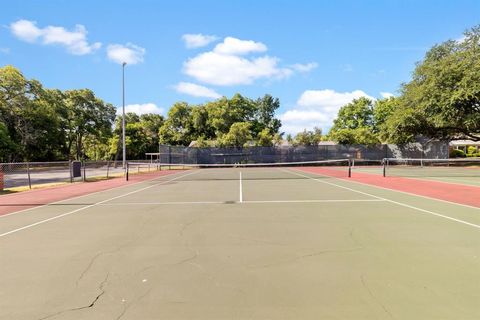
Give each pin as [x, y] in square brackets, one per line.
[26, 30]
[141, 109]
[386, 95]
[317, 108]
[228, 64]
[304, 67]
[234, 46]
[75, 41]
[228, 70]
[198, 40]
[5, 50]
[129, 53]
[196, 90]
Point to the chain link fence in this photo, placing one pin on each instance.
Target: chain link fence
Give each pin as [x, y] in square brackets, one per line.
[30, 174]
[189, 155]
[27, 175]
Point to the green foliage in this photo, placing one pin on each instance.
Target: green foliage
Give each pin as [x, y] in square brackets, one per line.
[456, 153]
[87, 116]
[308, 138]
[211, 124]
[237, 136]
[7, 146]
[471, 150]
[443, 99]
[359, 121]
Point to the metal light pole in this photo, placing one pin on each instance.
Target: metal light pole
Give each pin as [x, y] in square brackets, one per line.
[123, 117]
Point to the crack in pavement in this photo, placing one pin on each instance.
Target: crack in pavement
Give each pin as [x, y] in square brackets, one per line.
[135, 237]
[91, 305]
[257, 240]
[305, 256]
[370, 292]
[127, 306]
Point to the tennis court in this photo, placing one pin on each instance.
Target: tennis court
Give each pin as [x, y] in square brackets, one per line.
[242, 243]
[453, 171]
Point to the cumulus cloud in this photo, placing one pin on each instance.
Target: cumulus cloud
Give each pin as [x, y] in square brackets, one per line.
[75, 41]
[198, 40]
[141, 109]
[386, 95]
[317, 108]
[196, 90]
[228, 70]
[231, 63]
[129, 53]
[234, 46]
[304, 67]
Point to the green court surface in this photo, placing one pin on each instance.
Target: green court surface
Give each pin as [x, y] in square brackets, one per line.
[242, 243]
[454, 175]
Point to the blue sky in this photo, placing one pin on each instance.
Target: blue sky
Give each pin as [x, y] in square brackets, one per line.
[313, 55]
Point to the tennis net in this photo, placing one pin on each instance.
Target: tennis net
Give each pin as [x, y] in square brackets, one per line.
[340, 168]
[431, 167]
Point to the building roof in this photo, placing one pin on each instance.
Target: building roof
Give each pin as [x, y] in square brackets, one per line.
[464, 143]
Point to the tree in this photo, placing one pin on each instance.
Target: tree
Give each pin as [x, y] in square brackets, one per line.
[87, 115]
[7, 146]
[382, 111]
[152, 123]
[308, 137]
[265, 138]
[355, 123]
[264, 115]
[237, 136]
[442, 100]
[31, 115]
[178, 128]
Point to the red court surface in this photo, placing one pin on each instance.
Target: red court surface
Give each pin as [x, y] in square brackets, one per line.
[33, 198]
[461, 194]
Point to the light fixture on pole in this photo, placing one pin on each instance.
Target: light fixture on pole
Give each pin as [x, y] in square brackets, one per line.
[123, 116]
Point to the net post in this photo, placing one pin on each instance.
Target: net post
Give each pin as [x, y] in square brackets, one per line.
[349, 168]
[384, 164]
[126, 171]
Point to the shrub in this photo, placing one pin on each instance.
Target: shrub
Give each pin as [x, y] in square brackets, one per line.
[455, 153]
[471, 150]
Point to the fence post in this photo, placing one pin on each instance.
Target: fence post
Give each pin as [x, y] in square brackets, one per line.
[126, 171]
[2, 185]
[70, 165]
[28, 174]
[84, 171]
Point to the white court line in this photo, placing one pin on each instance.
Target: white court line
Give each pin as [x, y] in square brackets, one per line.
[391, 201]
[83, 195]
[314, 201]
[162, 203]
[89, 206]
[419, 195]
[231, 202]
[241, 188]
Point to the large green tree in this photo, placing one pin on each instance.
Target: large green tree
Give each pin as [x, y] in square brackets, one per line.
[355, 123]
[442, 100]
[87, 116]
